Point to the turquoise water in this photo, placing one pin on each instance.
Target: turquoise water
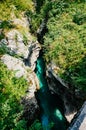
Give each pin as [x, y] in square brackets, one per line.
[50, 104]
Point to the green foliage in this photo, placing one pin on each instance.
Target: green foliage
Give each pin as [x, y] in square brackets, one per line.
[48, 9]
[6, 50]
[25, 39]
[3, 49]
[77, 75]
[35, 21]
[37, 17]
[79, 18]
[36, 125]
[65, 42]
[6, 25]
[2, 36]
[12, 8]
[23, 5]
[11, 91]
[39, 4]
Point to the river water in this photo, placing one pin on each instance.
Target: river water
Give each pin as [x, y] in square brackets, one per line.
[52, 108]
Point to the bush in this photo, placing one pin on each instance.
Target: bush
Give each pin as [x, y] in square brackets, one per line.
[10, 8]
[79, 18]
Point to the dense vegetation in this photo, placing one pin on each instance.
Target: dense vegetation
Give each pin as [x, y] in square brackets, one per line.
[11, 91]
[65, 42]
[10, 9]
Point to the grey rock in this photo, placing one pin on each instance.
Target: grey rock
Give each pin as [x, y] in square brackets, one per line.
[34, 49]
[79, 122]
[56, 85]
[23, 22]
[14, 64]
[31, 109]
[18, 66]
[15, 42]
[23, 65]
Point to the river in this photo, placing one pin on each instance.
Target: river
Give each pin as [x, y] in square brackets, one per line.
[52, 108]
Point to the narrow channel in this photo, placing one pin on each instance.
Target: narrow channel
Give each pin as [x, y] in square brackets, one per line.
[52, 108]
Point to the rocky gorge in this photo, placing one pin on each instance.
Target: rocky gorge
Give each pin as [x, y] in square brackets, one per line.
[22, 56]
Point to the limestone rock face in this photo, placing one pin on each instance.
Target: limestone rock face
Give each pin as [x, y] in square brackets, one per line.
[56, 85]
[16, 43]
[14, 64]
[23, 22]
[34, 49]
[30, 52]
[19, 68]
[79, 122]
[31, 109]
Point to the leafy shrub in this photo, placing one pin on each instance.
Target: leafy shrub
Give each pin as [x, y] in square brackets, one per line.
[2, 36]
[10, 8]
[3, 49]
[79, 18]
[6, 24]
[36, 125]
[39, 4]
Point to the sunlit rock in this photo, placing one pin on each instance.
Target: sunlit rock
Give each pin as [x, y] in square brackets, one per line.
[79, 121]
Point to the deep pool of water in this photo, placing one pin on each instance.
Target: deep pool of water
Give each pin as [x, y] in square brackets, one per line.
[51, 105]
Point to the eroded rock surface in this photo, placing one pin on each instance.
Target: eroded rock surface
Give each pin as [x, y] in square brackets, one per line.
[31, 109]
[56, 85]
[79, 122]
[34, 49]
